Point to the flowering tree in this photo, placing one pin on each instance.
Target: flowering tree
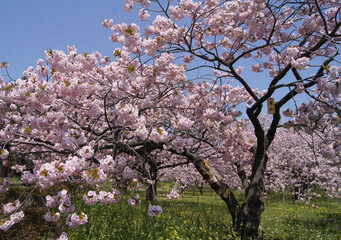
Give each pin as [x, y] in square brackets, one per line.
[298, 162]
[282, 38]
[83, 114]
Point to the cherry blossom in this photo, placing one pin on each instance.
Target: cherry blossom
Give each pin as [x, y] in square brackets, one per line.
[154, 211]
[74, 220]
[173, 195]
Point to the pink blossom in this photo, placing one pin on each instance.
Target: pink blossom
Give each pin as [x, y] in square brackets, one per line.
[3, 189]
[128, 7]
[63, 236]
[66, 206]
[134, 201]
[107, 23]
[18, 168]
[90, 198]
[51, 202]
[173, 195]
[94, 176]
[6, 225]
[127, 173]
[4, 153]
[239, 69]
[64, 201]
[288, 113]
[273, 73]
[334, 71]
[144, 14]
[74, 220]
[86, 152]
[159, 134]
[107, 164]
[154, 211]
[292, 52]
[177, 12]
[116, 196]
[14, 218]
[28, 177]
[11, 207]
[331, 12]
[183, 123]
[188, 58]
[300, 63]
[257, 68]
[4, 65]
[299, 88]
[54, 217]
[17, 217]
[104, 197]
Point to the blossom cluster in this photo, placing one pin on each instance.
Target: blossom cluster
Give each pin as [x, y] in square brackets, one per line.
[75, 220]
[134, 201]
[52, 217]
[14, 218]
[103, 197]
[173, 195]
[154, 211]
[11, 207]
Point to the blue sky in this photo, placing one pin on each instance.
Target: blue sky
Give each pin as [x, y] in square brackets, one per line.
[29, 27]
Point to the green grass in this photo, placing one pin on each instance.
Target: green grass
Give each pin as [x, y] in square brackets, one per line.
[206, 217]
[321, 219]
[191, 217]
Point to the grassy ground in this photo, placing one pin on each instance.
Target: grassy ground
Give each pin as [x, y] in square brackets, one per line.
[206, 217]
[321, 219]
[191, 217]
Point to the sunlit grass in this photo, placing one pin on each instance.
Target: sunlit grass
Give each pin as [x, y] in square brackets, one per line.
[320, 219]
[192, 216]
[205, 217]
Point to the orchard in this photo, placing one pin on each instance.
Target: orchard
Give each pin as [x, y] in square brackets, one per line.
[182, 98]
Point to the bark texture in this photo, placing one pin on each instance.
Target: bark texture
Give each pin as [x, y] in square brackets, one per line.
[216, 182]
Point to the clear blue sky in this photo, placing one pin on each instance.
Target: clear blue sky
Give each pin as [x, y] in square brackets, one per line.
[29, 27]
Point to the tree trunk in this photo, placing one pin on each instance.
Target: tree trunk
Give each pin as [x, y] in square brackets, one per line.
[213, 178]
[151, 192]
[249, 215]
[152, 188]
[245, 218]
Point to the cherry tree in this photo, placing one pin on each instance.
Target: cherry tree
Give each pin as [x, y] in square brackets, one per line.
[294, 42]
[177, 87]
[84, 116]
[298, 163]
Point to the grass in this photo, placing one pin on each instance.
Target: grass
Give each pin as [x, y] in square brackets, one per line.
[190, 217]
[206, 217]
[196, 217]
[321, 219]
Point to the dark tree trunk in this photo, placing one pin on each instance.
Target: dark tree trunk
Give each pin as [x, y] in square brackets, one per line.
[152, 188]
[151, 192]
[249, 216]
